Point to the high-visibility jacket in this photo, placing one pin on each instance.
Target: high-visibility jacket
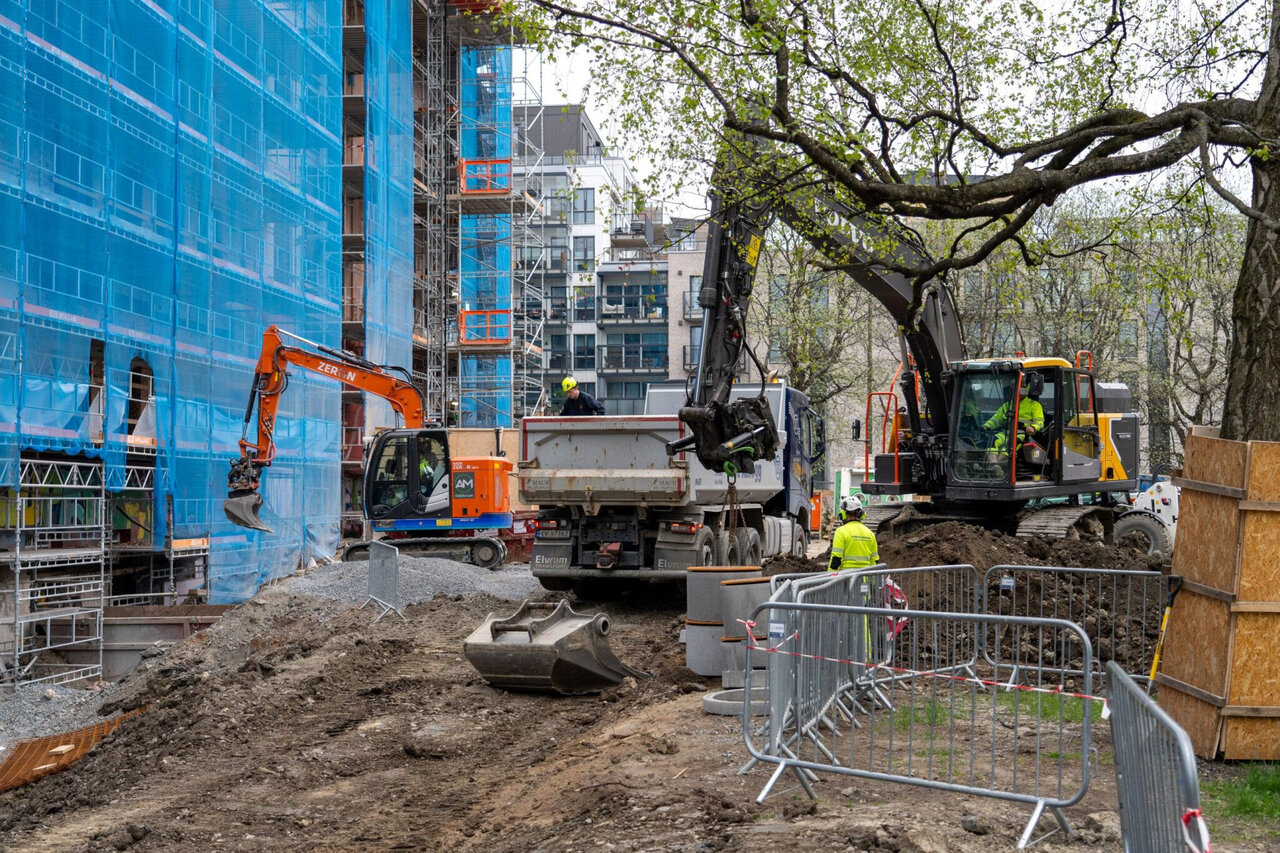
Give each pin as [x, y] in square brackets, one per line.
[1030, 419]
[853, 547]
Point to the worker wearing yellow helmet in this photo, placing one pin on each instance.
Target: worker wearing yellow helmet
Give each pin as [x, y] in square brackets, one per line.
[578, 403]
[854, 545]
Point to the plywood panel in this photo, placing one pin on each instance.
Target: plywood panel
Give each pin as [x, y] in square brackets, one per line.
[1195, 647]
[1260, 557]
[1206, 549]
[1255, 739]
[1200, 719]
[1264, 471]
[1213, 460]
[1254, 666]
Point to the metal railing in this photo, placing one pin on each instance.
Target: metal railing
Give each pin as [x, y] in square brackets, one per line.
[691, 309]
[631, 310]
[1156, 775]
[926, 707]
[639, 359]
[1119, 609]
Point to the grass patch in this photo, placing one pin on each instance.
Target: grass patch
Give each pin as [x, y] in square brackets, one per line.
[1047, 706]
[931, 714]
[1254, 794]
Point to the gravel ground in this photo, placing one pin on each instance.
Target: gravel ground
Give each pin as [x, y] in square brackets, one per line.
[28, 713]
[420, 578]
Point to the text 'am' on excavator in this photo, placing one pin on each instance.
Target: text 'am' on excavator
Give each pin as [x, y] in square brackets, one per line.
[414, 493]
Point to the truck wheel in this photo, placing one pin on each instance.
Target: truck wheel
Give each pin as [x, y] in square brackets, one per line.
[726, 549]
[799, 540]
[748, 545]
[704, 548]
[1153, 533]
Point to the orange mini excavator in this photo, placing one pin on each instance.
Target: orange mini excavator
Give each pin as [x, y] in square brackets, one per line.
[420, 499]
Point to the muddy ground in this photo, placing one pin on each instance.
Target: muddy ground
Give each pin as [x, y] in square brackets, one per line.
[299, 723]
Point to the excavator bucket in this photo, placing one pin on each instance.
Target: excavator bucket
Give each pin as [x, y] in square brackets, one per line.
[242, 509]
[545, 647]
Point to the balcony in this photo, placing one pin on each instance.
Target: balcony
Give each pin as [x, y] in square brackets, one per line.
[631, 233]
[631, 311]
[632, 359]
[691, 355]
[692, 310]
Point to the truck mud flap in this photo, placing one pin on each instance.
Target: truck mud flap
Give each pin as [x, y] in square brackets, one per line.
[546, 647]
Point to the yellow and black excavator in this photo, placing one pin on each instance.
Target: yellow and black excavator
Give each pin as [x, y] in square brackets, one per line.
[420, 498]
[942, 437]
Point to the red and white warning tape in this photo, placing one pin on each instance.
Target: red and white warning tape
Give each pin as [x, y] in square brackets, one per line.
[779, 650]
[1199, 844]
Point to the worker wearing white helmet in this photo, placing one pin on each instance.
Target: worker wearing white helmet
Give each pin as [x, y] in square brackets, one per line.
[854, 545]
[578, 403]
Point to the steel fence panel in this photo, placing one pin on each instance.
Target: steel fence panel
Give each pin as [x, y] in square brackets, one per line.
[946, 719]
[1155, 770]
[384, 578]
[1119, 609]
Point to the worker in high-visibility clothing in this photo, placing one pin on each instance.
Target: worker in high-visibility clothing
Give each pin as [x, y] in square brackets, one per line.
[854, 545]
[1030, 415]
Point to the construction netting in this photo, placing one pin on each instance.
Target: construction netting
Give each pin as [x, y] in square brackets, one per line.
[170, 183]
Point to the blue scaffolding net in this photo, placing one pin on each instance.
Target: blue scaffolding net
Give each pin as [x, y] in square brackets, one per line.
[170, 185]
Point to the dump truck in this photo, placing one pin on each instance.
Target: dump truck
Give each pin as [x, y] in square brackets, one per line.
[614, 504]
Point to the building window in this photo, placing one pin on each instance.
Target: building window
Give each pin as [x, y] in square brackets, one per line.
[584, 207]
[584, 352]
[584, 254]
[686, 241]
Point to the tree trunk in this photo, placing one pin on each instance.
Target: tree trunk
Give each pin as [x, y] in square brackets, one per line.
[1251, 411]
[1252, 407]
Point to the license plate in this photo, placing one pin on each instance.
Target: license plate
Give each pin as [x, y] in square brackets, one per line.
[553, 534]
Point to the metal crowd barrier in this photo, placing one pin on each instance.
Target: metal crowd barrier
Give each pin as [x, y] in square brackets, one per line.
[937, 714]
[1119, 609]
[1155, 771]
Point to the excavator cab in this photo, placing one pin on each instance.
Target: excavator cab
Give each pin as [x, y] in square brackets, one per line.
[408, 475]
[1023, 427]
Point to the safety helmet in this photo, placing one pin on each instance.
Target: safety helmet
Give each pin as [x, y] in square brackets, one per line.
[568, 383]
[850, 507]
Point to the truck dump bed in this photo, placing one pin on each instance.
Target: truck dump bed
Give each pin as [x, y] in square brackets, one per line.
[622, 460]
[618, 459]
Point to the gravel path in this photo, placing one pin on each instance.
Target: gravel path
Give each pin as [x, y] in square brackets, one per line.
[40, 710]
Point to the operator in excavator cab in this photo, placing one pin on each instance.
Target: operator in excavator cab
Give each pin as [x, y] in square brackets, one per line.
[578, 403]
[853, 546]
[1030, 416]
[431, 468]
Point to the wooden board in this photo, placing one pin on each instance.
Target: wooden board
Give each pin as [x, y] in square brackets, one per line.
[1264, 471]
[1200, 719]
[1195, 646]
[1215, 461]
[1253, 666]
[1207, 534]
[1259, 557]
[1256, 739]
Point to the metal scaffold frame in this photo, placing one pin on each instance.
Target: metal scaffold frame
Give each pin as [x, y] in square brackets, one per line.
[54, 531]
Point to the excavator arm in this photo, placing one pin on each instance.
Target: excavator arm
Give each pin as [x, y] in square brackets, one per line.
[271, 377]
[726, 435]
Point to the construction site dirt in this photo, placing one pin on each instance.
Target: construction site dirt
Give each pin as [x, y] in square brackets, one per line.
[299, 723]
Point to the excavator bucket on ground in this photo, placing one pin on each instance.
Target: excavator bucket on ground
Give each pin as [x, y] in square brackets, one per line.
[545, 647]
[243, 510]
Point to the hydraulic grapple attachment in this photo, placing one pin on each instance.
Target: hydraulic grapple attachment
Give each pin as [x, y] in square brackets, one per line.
[545, 647]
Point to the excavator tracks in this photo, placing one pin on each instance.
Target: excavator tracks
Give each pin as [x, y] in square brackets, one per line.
[1063, 522]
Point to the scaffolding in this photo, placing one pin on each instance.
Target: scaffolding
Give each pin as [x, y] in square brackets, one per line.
[52, 565]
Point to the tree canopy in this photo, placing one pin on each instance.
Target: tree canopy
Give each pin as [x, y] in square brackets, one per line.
[980, 114]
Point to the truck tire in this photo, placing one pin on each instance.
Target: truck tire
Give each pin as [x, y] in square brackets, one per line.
[799, 540]
[726, 549]
[704, 548]
[1149, 528]
[748, 545]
